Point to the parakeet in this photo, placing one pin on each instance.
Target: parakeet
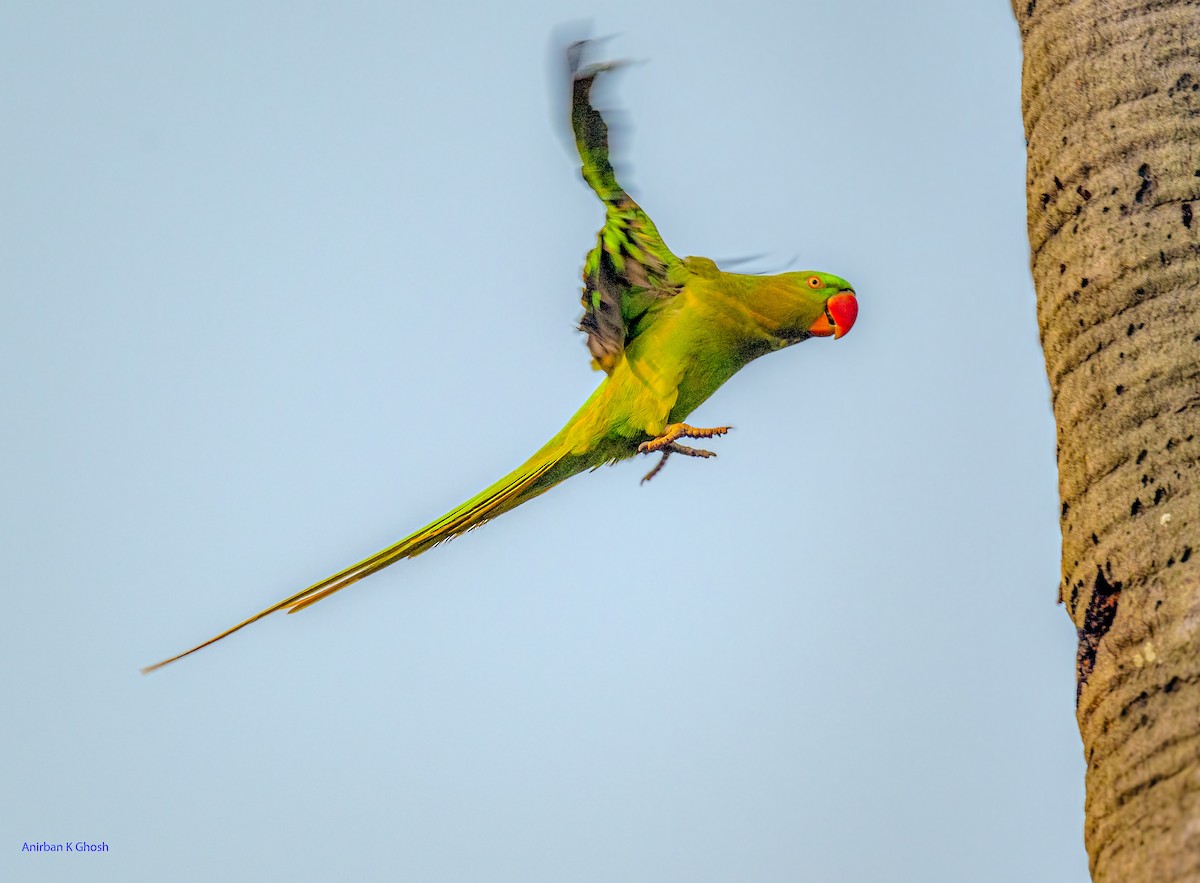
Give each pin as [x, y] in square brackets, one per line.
[666, 331]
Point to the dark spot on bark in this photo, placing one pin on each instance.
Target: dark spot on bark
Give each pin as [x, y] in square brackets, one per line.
[1171, 562]
[1158, 495]
[1062, 268]
[1134, 792]
[1171, 685]
[1120, 389]
[1028, 12]
[1097, 620]
[1095, 540]
[1170, 444]
[1144, 189]
[1084, 282]
[1057, 183]
[1045, 199]
[1142, 455]
[1104, 211]
[1135, 508]
[1162, 257]
[1187, 215]
[1138, 700]
[1066, 507]
[1084, 192]
[1187, 553]
[1183, 84]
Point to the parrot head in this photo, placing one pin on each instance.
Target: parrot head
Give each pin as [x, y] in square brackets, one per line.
[830, 298]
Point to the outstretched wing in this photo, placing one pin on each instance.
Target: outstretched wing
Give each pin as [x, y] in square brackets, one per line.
[630, 268]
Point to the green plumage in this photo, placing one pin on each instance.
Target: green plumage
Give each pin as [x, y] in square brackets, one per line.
[667, 331]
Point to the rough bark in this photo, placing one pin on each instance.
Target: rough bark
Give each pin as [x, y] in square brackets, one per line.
[1111, 101]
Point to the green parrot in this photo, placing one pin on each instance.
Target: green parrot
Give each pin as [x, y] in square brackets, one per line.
[667, 332]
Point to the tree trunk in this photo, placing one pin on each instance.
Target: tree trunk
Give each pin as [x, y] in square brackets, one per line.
[1111, 101]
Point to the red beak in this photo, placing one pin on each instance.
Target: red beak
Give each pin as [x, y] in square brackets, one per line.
[840, 312]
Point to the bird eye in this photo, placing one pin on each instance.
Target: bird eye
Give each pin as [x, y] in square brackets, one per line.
[815, 282]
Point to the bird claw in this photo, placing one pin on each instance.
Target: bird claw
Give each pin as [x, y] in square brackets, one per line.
[657, 467]
[678, 431]
[674, 448]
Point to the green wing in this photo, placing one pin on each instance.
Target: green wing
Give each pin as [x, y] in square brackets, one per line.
[630, 268]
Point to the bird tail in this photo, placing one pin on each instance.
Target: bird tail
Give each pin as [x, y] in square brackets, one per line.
[545, 469]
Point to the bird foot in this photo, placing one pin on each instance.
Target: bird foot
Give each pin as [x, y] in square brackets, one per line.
[678, 431]
[675, 449]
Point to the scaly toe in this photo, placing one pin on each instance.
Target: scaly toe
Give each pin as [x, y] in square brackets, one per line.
[691, 452]
[657, 467]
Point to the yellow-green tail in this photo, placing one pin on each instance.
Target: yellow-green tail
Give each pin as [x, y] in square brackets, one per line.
[529, 480]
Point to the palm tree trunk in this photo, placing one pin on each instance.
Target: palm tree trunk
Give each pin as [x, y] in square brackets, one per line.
[1111, 101]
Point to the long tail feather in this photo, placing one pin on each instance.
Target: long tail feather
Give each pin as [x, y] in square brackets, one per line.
[522, 484]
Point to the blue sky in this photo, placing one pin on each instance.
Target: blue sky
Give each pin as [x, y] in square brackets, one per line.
[283, 282]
